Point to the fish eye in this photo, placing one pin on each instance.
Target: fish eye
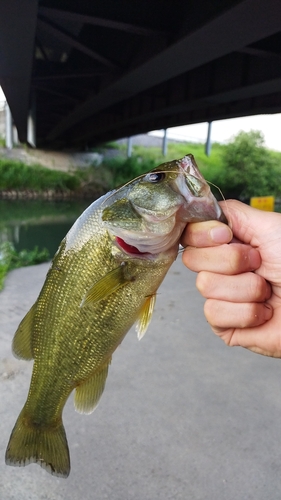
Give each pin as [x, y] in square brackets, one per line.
[155, 177]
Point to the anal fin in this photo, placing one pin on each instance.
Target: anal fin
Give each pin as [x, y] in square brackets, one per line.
[87, 395]
[22, 342]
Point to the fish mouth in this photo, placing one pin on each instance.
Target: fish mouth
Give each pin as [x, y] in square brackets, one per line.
[130, 249]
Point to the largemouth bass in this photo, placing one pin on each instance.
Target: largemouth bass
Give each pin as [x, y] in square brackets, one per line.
[103, 278]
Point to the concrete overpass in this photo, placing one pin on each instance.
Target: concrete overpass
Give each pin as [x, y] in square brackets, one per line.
[88, 72]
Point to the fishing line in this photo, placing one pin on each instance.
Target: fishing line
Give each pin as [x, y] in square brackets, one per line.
[225, 201]
[181, 249]
[116, 190]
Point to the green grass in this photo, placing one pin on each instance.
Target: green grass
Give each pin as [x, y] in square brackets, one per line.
[11, 259]
[209, 165]
[117, 170]
[120, 169]
[213, 167]
[15, 175]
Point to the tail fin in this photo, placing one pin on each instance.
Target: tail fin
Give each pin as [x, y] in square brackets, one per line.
[46, 446]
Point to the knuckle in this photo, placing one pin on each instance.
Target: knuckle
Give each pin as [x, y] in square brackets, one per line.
[210, 310]
[252, 315]
[203, 283]
[187, 257]
[236, 259]
[257, 288]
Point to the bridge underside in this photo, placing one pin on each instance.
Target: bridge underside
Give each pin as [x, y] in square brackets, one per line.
[98, 71]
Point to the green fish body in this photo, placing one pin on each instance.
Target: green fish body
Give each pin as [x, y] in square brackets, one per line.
[103, 278]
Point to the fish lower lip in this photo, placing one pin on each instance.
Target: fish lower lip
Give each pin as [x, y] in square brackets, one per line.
[130, 249]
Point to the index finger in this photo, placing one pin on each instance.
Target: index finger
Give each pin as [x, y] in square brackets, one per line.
[206, 234]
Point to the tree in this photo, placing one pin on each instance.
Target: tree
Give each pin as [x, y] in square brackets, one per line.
[249, 168]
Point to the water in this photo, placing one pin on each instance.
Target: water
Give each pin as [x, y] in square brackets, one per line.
[39, 223]
[30, 223]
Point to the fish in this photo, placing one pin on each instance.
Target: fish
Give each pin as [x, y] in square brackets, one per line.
[103, 279]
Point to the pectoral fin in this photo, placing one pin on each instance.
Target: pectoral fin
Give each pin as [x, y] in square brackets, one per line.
[145, 316]
[21, 346]
[105, 286]
[87, 395]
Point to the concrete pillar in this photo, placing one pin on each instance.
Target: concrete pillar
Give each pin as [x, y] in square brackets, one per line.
[15, 136]
[31, 124]
[208, 142]
[164, 143]
[129, 147]
[9, 127]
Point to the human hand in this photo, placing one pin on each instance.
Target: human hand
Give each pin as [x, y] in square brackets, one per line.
[240, 277]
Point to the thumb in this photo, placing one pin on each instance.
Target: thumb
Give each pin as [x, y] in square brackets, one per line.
[250, 225]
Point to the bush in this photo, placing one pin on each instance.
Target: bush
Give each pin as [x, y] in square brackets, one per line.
[11, 259]
[249, 168]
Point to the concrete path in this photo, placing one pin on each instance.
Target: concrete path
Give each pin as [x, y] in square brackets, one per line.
[182, 417]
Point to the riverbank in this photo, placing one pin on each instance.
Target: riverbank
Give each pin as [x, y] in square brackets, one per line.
[32, 181]
[83, 193]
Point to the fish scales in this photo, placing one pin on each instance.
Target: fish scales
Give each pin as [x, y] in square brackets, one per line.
[67, 316]
[103, 278]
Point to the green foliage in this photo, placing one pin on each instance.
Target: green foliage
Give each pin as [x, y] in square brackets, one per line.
[11, 259]
[123, 169]
[249, 168]
[210, 166]
[3, 271]
[241, 169]
[120, 169]
[19, 176]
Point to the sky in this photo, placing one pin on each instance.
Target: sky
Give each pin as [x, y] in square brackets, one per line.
[224, 130]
